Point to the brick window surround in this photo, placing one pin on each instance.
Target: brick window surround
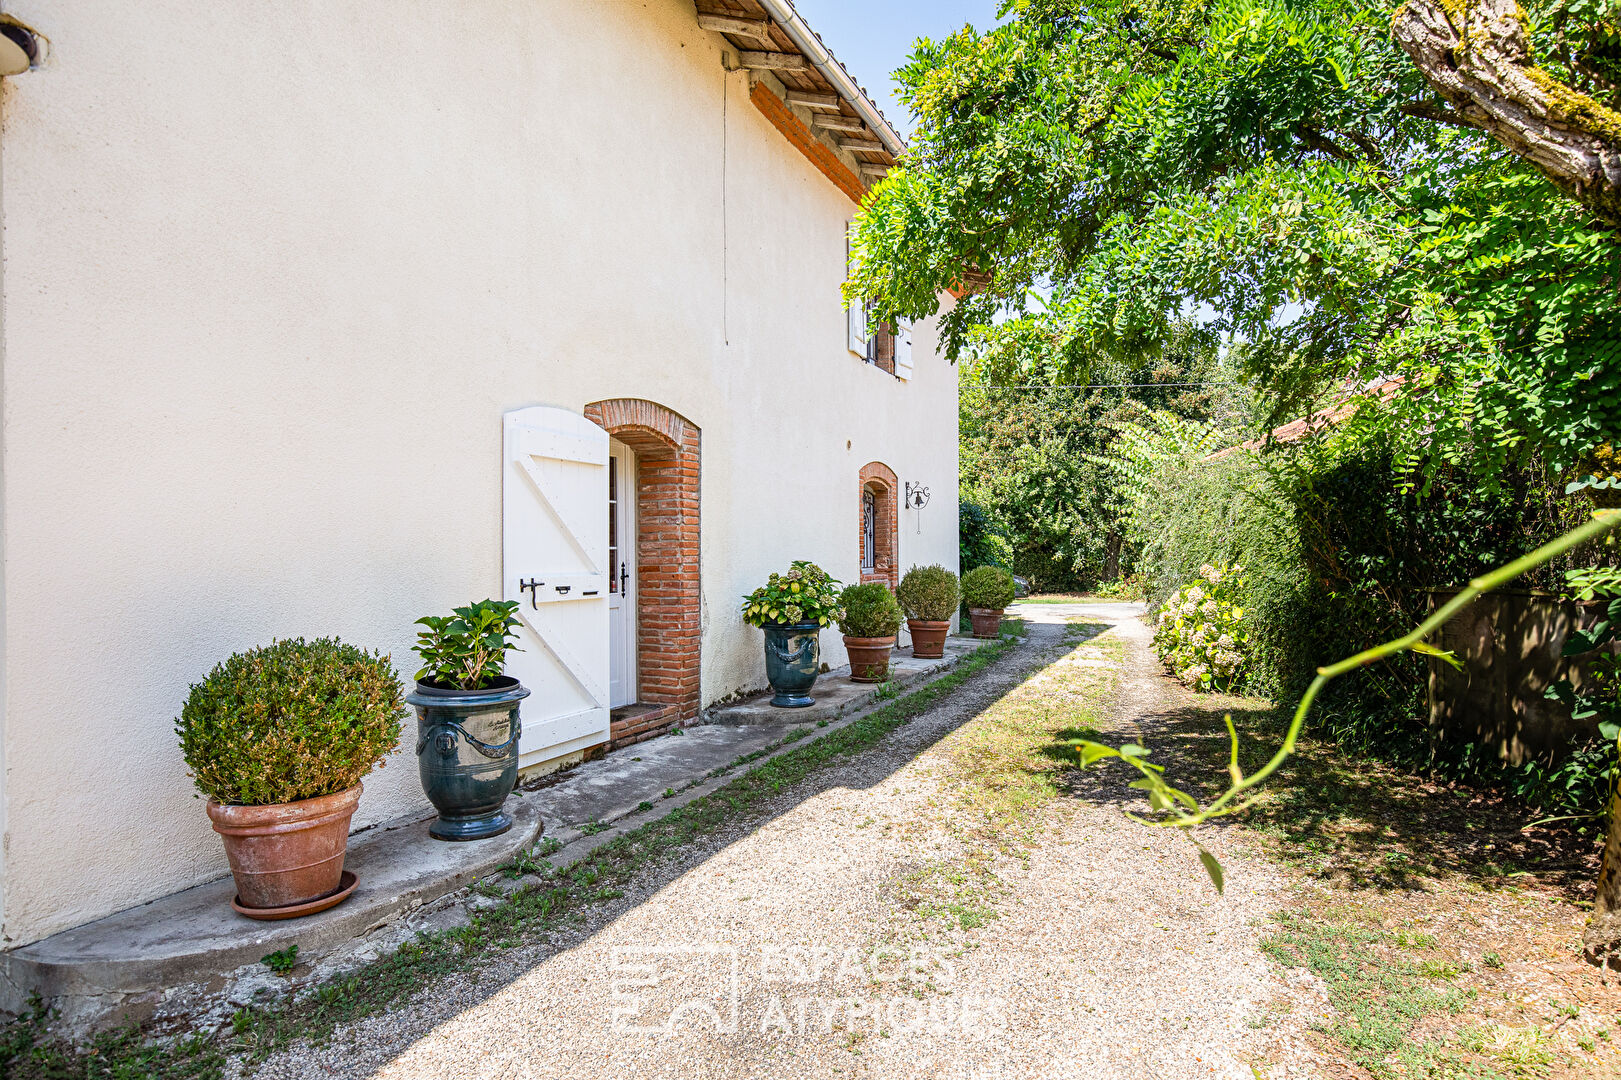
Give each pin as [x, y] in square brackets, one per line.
[879, 479]
[668, 605]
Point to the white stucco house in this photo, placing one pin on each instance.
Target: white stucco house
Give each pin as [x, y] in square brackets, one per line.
[318, 317]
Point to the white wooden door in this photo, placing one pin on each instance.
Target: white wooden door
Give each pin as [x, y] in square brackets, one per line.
[621, 575]
[554, 557]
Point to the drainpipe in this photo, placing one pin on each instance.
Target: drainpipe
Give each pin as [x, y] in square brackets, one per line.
[806, 41]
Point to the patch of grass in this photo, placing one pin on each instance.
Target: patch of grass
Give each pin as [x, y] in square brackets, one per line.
[1000, 776]
[525, 915]
[1391, 1001]
[27, 1052]
[1378, 992]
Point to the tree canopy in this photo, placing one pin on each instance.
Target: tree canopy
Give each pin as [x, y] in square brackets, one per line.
[1309, 185]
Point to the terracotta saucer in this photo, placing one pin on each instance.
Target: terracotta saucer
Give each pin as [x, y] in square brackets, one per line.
[346, 885]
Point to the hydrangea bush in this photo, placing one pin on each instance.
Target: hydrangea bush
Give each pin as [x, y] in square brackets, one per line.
[1203, 637]
[805, 594]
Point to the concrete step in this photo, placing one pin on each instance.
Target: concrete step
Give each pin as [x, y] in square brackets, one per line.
[836, 693]
[190, 946]
[186, 936]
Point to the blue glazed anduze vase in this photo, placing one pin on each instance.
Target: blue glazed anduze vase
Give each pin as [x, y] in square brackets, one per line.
[467, 755]
[793, 657]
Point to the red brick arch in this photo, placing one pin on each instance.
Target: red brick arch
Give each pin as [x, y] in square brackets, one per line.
[880, 480]
[668, 604]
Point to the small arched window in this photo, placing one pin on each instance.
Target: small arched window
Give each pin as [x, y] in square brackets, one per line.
[869, 530]
[878, 541]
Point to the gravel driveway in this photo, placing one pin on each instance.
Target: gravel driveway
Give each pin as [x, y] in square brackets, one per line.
[783, 950]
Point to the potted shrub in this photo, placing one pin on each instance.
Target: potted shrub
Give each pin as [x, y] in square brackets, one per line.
[792, 608]
[278, 738]
[929, 596]
[467, 718]
[987, 590]
[870, 620]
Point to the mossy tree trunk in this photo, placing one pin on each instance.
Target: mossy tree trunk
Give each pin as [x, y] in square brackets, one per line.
[1474, 53]
[1601, 943]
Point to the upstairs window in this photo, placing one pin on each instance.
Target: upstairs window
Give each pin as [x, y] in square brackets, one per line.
[889, 347]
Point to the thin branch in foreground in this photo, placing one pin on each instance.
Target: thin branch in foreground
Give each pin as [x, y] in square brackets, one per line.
[1180, 810]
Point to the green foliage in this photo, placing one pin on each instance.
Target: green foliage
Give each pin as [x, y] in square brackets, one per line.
[1188, 510]
[988, 588]
[928, 593]
[979, 538]
[805, 594]
[466, 650]
[1030, 455]
[292, 720]
[28, 1052]
[1587, 778]
[1100, 169]
[1177, 808]
[1378, 991]
[869, 610]
[1340, 555]
[1130, 587]
[1201, 634]
[281, 961]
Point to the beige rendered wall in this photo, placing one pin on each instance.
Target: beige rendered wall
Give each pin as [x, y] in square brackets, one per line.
[273, 272]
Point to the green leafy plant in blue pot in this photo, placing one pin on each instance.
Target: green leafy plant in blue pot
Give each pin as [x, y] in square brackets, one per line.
[467, 718]
[792, 609]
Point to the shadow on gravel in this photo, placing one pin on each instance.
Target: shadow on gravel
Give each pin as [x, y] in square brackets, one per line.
[1356, 821]
[568, 907]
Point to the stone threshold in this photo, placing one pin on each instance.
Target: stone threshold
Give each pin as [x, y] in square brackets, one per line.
[836, 693]
[187, 958]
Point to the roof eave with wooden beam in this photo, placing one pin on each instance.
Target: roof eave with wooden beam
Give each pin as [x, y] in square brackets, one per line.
[834, 126]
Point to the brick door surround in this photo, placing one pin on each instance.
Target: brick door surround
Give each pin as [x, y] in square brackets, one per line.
[880, 480]
[668, 601]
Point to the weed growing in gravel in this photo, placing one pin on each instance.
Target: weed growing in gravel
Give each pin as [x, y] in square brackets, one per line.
[1383, 994]
[1001, 775]
[282, 960]
[26, 1053]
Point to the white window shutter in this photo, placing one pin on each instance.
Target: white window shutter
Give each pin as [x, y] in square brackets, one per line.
[903, 348]
[858, 311]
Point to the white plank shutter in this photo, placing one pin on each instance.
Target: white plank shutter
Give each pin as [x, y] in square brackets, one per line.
[554, 531]
[903, 348]
[858, 310]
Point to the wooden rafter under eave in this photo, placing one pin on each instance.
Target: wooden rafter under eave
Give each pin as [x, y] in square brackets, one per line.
[819, 154]
[757, 29]
[840, 122]
[772, 61]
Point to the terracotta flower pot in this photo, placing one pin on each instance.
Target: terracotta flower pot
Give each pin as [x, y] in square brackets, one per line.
[987, 623]
[869, 657]
[928, 638]
[286, 853]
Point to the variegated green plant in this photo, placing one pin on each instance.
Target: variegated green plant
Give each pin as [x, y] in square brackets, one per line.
[805, 594]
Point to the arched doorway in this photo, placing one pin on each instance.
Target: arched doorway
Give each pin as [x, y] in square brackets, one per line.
[654, 510]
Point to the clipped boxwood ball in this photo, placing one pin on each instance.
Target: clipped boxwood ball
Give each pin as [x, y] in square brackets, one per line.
[988, 588]
[928, 593]
[292, 720]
